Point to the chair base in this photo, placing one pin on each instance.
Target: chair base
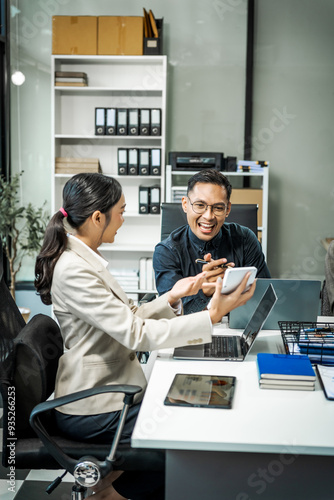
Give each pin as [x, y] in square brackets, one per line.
[78, 492]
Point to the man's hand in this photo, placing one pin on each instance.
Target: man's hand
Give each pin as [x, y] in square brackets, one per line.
[214, 269]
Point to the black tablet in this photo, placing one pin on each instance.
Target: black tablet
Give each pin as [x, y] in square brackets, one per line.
[203, 391]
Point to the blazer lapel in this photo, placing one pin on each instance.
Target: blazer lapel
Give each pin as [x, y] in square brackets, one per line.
[88, 256]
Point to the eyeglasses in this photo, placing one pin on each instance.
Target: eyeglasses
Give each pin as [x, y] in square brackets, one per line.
[199, 207]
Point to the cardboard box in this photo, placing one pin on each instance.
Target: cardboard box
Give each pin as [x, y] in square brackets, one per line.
[120, 35]
[253, 196]
[74, 35]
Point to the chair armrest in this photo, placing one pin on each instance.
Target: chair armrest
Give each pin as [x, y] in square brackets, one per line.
[55, 451]
[128, 390]
[148, 297]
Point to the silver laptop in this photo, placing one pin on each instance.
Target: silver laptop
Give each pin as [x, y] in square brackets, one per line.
[298, 300]
[232, 347]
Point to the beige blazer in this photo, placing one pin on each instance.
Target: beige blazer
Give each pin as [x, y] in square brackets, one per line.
[102, 330]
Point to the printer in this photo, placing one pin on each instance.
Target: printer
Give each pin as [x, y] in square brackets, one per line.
[184, 161]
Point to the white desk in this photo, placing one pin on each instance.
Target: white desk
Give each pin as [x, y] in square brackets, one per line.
[273, 445]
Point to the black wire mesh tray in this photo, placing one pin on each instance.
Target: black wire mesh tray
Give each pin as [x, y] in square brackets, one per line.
[316, 340]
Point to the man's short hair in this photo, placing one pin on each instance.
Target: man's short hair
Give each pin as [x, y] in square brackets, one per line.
[210, 176]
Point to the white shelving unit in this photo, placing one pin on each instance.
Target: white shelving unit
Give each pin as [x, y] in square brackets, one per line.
[260, 180]
[118, 82]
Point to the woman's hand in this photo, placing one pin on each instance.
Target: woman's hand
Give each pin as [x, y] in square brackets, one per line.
[185, 287]
[222, 304]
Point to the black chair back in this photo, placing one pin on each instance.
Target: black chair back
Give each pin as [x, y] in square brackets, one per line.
[11, 320]
[173, 216]
[27, 373]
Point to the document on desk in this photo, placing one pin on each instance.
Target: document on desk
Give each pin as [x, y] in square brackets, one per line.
[203, 391]
[326, 376]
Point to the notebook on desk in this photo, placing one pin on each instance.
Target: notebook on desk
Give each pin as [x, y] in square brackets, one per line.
[298, 300]
[232, 347]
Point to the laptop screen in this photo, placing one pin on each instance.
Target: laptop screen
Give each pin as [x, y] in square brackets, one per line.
[259, 316]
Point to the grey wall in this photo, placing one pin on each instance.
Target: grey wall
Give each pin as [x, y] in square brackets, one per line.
[293, 128]
[205, 41]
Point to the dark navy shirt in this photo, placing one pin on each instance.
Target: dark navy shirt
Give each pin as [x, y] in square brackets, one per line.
[174, 258]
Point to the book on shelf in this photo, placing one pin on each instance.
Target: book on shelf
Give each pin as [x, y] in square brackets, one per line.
[146, 274]
[127, 278]
[284, 367]
[149, 274]
[66, 79]
[70, 74]
[142, 273]
[123, 272]
[64, 165]
[71, 84]
[251, 165]
[71, 78]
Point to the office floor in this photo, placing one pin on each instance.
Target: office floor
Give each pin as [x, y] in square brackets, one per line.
[31, 485]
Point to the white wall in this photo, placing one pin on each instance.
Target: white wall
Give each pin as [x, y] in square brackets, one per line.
[205, 43]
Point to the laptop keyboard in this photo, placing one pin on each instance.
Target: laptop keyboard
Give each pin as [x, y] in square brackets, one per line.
[221, 347]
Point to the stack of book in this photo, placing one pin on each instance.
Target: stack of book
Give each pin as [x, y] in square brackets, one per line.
[76, 165]
[127, 278]
[71, 79]
[146, 274]
[251, 166]
[284, 371]
[178, 194]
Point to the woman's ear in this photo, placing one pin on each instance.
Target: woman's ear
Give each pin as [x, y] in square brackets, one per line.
[96, 217]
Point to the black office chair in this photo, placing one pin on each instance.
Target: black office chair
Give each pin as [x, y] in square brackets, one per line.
[173, 216]
[29, 355]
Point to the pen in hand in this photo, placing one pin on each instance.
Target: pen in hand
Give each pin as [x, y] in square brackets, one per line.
[202, 261]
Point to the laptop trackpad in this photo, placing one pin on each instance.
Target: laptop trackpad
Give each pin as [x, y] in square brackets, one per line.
[189, 351]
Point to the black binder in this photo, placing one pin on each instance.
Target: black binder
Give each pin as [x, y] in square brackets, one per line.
[133, 125]
[145, 122]
[111, 121]
[122, 156]
[155, 121]
[155, 200]
[122, 121]
[100, 121]
[155, 168]
[144, 162]
[144, 198]
[133, 161]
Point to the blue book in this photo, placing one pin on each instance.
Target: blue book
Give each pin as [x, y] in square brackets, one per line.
[285, 366]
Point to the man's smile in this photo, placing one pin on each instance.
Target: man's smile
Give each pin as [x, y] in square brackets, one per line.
[206, 227]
